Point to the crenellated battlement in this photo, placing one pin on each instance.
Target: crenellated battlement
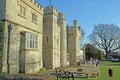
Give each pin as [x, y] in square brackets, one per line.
[34, 4]
[75, 22]
[61, 15]
[48, 27]
[37, 4]
[79, 27]
[75, 29]
[71, 28]
[61, 18]
[51, 9]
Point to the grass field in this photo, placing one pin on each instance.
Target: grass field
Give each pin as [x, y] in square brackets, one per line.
[104, 74]
[104, 71]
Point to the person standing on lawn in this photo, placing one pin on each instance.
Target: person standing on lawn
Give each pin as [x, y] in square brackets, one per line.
[110, 73]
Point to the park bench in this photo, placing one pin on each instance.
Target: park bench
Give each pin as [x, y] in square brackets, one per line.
[61, 74]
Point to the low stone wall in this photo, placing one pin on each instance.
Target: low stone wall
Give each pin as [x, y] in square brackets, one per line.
[88, 71]
[85, 69]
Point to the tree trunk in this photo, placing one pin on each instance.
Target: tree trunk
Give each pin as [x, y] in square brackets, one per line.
[106, 56]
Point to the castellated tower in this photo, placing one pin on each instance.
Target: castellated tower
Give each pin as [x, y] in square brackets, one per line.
[37, 37]
[51, 39]
[63, 39]
[74, 36]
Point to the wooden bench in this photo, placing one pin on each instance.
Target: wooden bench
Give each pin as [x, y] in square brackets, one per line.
[61, 74]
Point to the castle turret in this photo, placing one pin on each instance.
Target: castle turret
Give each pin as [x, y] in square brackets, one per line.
[63, 43]
[74, 43]
[51, 39]
[75, 22]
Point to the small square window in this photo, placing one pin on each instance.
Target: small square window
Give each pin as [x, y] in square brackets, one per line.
[58, 42]
[34, 17]
[22, 10]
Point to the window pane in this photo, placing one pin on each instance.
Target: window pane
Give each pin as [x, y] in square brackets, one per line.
[28, 43]
[35, 44]
[31, 40]
[34, 17]
[22, 10]
[31, 36]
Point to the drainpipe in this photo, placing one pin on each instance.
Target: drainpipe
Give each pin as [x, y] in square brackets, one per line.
[8, 47]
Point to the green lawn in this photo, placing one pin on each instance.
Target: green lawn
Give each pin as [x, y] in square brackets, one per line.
[104, 74]
[104, 71]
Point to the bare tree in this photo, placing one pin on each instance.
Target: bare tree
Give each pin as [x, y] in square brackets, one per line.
[106, 37]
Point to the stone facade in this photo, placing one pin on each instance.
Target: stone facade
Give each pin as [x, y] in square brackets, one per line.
[19, 14]
[73, 38]
[51, 39]
[39, 37]
[54, 40]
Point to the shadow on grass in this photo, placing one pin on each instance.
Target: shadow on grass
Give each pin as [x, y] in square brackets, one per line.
[109, 63]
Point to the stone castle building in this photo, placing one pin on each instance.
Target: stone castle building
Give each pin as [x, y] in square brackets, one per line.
[74, 37]
[34, 37]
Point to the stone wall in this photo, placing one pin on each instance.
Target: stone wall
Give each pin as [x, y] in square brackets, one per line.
[22, 59]
[1, 44]
[63, 39]
[50, 28]
[51, 39]
[74, 37]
